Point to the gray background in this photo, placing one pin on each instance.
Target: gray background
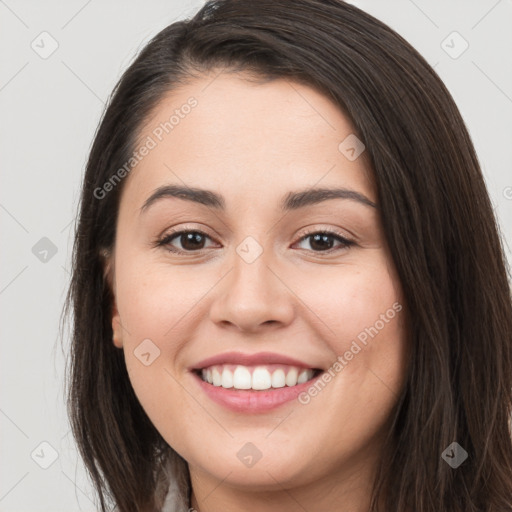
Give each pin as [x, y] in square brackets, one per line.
[50, 108]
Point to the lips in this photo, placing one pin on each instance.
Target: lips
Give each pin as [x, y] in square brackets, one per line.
[259, 359]
[253, 382]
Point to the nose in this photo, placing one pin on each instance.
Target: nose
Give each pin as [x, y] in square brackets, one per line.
[253, 297]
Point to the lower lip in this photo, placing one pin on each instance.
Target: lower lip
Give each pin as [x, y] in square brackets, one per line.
[250, 401]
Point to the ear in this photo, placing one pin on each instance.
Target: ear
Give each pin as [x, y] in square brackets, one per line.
[107, 258]
[117, 330]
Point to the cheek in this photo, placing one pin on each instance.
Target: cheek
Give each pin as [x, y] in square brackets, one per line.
[352, 302]
[153, 298]
[159, 308]
[359, 313]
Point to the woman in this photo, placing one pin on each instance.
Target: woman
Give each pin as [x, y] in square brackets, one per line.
[288, 287]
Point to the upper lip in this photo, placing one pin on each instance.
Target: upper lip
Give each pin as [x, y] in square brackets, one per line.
[260, 358]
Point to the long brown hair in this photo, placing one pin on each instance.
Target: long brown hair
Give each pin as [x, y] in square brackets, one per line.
[438, 221]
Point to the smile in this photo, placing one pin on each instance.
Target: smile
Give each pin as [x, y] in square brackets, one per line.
[257, 378]
[253, 383]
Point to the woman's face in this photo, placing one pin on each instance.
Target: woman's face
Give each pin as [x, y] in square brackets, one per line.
[255, 285]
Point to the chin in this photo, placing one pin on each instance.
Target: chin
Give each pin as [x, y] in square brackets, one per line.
[234, 467]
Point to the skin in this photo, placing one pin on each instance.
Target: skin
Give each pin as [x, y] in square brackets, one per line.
[253, 144]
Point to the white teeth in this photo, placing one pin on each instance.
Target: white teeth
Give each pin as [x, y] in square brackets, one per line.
[260, 379]
[242, 378]
[207, 375]
[217, 377]
[303, 377]
[278, 379]
[227, 379]
[291, 377]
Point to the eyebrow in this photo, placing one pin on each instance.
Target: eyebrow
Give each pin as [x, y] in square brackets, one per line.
[292, 201]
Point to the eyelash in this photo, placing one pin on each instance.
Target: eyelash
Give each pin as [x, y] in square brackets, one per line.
[166, 240]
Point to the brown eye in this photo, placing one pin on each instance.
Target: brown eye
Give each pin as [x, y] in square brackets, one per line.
[191, 241]
[323, 241]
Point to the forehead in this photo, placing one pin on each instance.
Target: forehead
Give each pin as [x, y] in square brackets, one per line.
[223, 131]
